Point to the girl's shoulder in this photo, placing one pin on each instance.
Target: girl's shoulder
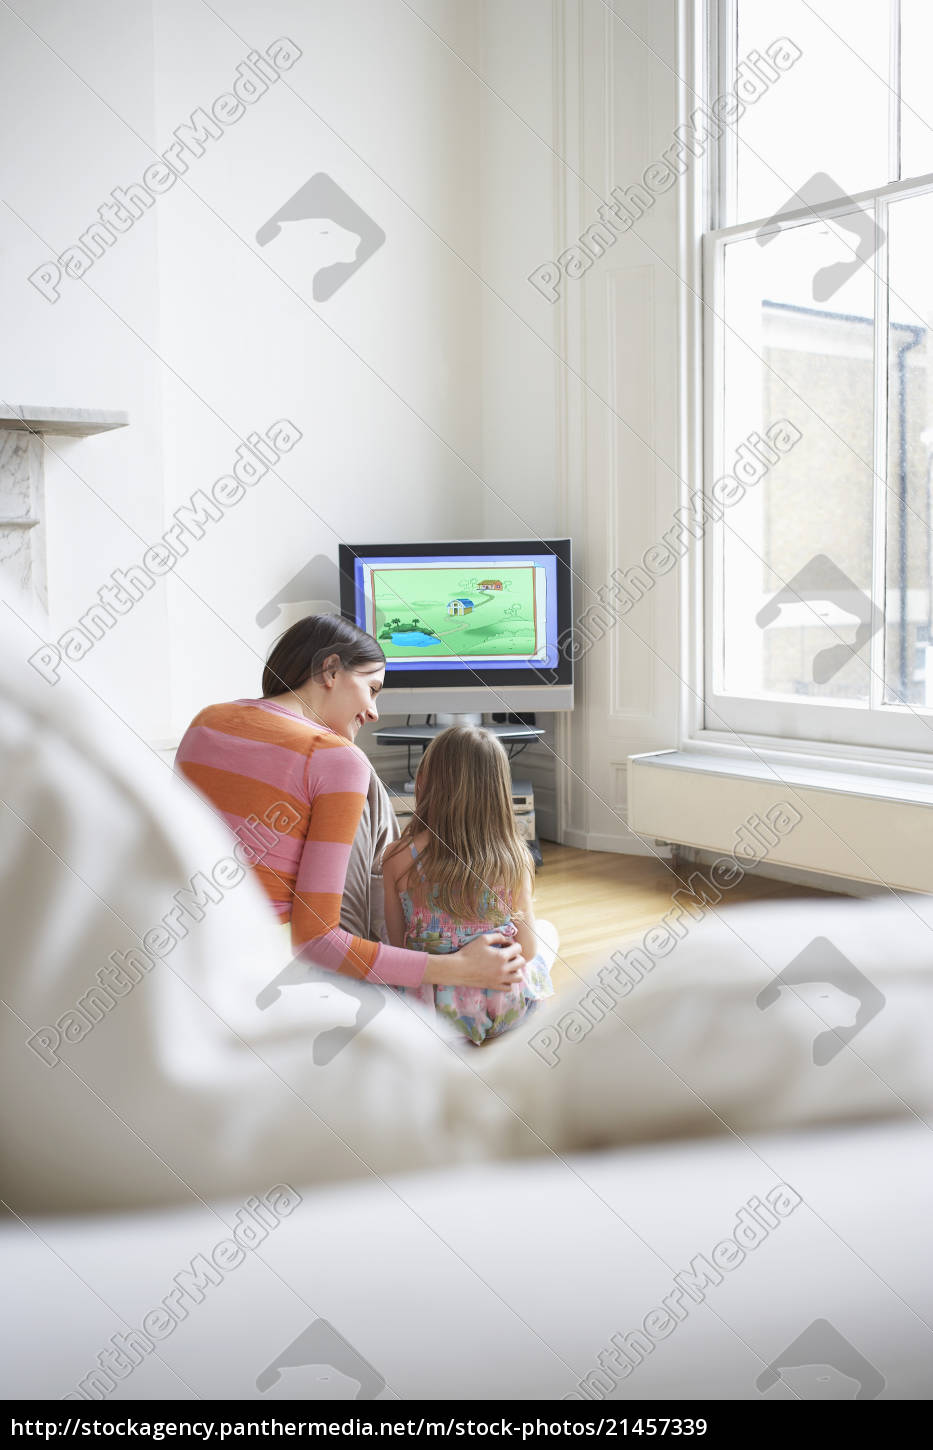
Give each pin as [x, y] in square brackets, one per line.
[398, 861]
[397, 856]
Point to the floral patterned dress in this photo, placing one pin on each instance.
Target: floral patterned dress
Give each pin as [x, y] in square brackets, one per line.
[476, 1011]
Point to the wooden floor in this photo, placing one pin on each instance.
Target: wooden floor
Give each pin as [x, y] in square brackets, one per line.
[594, 898]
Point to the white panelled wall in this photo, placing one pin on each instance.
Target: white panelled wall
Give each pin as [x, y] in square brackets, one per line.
[581, 403]
[627, 350]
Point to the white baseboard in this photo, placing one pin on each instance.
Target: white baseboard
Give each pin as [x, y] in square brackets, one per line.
[627, 845]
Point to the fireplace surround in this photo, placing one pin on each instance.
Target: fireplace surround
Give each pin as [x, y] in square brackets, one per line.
[22, 489]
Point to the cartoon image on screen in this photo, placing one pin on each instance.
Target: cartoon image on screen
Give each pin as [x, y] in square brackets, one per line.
[462, 610]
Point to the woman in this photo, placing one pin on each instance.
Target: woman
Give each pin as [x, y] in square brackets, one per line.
[284, 768]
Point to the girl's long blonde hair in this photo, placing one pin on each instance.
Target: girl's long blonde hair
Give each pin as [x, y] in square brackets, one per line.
[463, 799]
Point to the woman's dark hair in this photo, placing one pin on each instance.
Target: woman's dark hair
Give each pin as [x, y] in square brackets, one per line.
[299, 654]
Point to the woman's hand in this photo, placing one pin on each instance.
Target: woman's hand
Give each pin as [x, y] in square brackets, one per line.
[480, 964]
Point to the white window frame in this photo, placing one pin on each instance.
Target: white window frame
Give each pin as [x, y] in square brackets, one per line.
[897, 739]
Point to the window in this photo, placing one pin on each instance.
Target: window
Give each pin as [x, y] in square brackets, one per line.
[819, 374]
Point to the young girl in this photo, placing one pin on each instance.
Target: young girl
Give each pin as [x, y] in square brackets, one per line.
[459, 869]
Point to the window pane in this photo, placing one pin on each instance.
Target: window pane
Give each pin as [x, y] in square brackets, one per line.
[796, 549]
[821, 128]
[917, 108]
[909, 652]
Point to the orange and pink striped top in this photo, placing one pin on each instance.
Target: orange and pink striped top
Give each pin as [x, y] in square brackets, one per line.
[300, 788]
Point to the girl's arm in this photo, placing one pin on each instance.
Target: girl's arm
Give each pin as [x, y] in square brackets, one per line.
[525, 923]
[395, 916]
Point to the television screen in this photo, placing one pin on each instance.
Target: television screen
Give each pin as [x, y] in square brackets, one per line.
[463, 613]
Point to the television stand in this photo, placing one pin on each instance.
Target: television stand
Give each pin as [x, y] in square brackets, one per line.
[424, 734]
[473, 717]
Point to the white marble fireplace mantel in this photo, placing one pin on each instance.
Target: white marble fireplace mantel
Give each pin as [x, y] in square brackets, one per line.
[22, 491]
[68, 422]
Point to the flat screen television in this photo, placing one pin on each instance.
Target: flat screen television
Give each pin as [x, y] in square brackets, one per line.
[466, 626]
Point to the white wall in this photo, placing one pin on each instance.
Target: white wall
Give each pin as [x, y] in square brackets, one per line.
[520, 374]
[65, 147]
[383, 379]
[438, 394]
[203, 337]
[581, 400]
